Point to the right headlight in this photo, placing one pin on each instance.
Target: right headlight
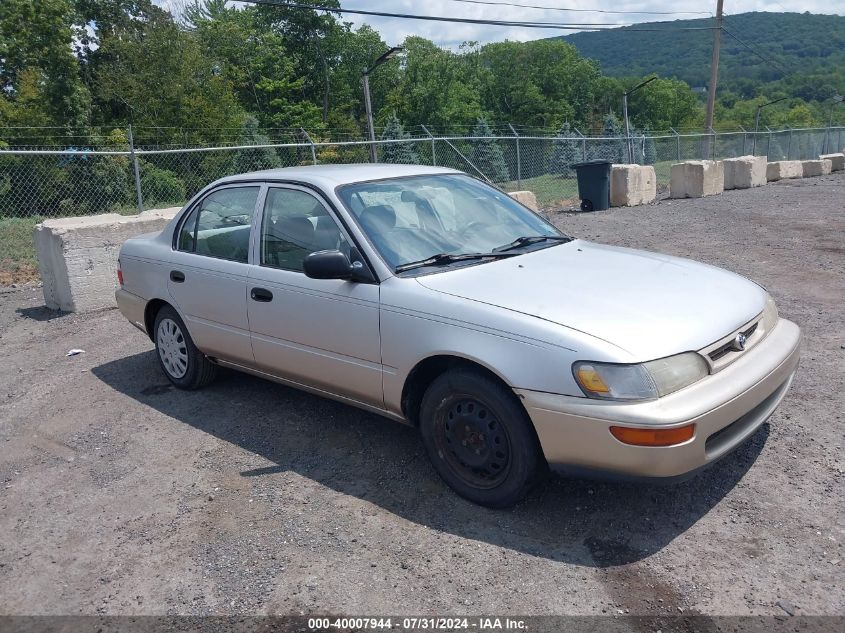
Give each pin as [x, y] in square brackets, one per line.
[770, 315]
[642, 381]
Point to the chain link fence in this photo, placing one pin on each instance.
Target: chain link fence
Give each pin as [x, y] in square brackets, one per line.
[55, 182]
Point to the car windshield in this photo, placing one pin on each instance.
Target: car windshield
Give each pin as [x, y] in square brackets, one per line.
[426, 219]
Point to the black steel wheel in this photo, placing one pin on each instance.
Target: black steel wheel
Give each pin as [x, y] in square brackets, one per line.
[479, 438]
[586, 205]
[474, 442]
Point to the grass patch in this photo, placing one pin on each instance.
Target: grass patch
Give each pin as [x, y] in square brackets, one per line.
[552, 191]
[17, 250]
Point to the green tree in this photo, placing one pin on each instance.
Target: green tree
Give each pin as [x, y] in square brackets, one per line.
[39, 75]
[566, 149]
[487, 155]
[402, 153]
[539, 83]
[438, 87]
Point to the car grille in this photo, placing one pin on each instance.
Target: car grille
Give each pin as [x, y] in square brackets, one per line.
[728, 347]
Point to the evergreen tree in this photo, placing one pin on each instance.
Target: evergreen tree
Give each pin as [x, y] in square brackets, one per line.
[613, 150]
[400, 153]
[565, 151]
[487, 155]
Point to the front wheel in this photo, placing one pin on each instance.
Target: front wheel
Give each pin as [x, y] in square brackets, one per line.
[183, 364]
[479, 438]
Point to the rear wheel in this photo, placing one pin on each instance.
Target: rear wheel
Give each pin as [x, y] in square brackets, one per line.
[479, 438]
[183, 364]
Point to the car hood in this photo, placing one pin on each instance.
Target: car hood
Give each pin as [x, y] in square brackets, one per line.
[647, 304]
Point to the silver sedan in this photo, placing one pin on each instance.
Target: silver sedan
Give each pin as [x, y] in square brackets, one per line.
[434, 299]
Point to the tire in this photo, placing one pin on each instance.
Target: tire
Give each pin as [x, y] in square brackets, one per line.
[586, 205]
[479, 438]
[180, 360]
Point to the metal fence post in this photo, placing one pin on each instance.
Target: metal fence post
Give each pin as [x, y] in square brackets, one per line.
[678, 141]
[789, 144]
[713, 147]
[583, 143]
[311, 143]
[518, 159]
[744, 135]
[137, 171]
[769, 146]
[433, 153]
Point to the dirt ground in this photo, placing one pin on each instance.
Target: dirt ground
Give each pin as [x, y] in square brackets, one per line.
[120, 495]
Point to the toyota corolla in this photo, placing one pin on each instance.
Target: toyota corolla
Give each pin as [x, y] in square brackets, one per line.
[429, 297]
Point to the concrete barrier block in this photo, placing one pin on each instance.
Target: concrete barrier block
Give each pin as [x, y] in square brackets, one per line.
[781, 169]
[77, 257]
[745, 172]
[837, 161]
[527, 198]
[697, 178]
[631, 185]
[815, 167]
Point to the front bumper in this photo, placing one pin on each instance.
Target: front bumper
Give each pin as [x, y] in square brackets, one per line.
[726, 408]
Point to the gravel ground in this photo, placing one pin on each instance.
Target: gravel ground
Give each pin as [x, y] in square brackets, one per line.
[120, 495]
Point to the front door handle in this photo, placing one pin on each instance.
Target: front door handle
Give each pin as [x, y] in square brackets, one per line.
[177, 276]
[261, 294]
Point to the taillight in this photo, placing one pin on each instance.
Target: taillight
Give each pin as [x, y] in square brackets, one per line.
[119, 273]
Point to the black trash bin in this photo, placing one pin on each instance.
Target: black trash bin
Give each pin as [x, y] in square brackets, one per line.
[594, 184]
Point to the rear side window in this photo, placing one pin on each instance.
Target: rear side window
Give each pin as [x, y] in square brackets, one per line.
[219, 225]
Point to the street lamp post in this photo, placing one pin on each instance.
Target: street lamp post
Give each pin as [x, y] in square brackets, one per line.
[757, 122]
[628, 144]
[368, 105]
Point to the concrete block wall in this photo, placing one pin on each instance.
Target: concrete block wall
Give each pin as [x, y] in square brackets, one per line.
[77, 257]
[816, 167]
[745, 172]
[697, 178]
[837, 161]
[781, 169]
[631, 185]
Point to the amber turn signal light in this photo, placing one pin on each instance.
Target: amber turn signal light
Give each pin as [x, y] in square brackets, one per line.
[653, 437]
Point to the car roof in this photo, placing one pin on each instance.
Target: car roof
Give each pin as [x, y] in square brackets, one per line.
[330, 176]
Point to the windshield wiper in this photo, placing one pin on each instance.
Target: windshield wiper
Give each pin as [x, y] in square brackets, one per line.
[531, 239]
[448, 258]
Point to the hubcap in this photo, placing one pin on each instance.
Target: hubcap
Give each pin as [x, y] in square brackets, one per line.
[172, 348]
[474, 442]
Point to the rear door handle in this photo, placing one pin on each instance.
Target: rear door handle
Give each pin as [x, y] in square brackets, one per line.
[261, 294]
[177, 275]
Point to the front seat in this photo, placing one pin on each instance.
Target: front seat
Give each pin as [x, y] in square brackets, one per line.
[289, 241]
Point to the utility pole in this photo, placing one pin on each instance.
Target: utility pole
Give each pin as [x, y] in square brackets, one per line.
[714, 67]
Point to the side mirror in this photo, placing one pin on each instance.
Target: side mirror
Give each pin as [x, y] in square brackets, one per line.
[334, 265]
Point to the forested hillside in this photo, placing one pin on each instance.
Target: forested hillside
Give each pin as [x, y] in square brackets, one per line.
[800, 54]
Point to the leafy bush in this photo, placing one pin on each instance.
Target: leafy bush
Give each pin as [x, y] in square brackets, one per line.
[160, 186]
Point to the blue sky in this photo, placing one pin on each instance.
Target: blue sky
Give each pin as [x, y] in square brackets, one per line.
[451, 35]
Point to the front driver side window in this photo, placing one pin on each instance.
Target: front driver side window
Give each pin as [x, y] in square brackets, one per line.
[219, 226]
[296, 224]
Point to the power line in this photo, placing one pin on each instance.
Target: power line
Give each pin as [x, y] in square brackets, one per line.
[438, 18]
[760, 55]
[567, 10]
